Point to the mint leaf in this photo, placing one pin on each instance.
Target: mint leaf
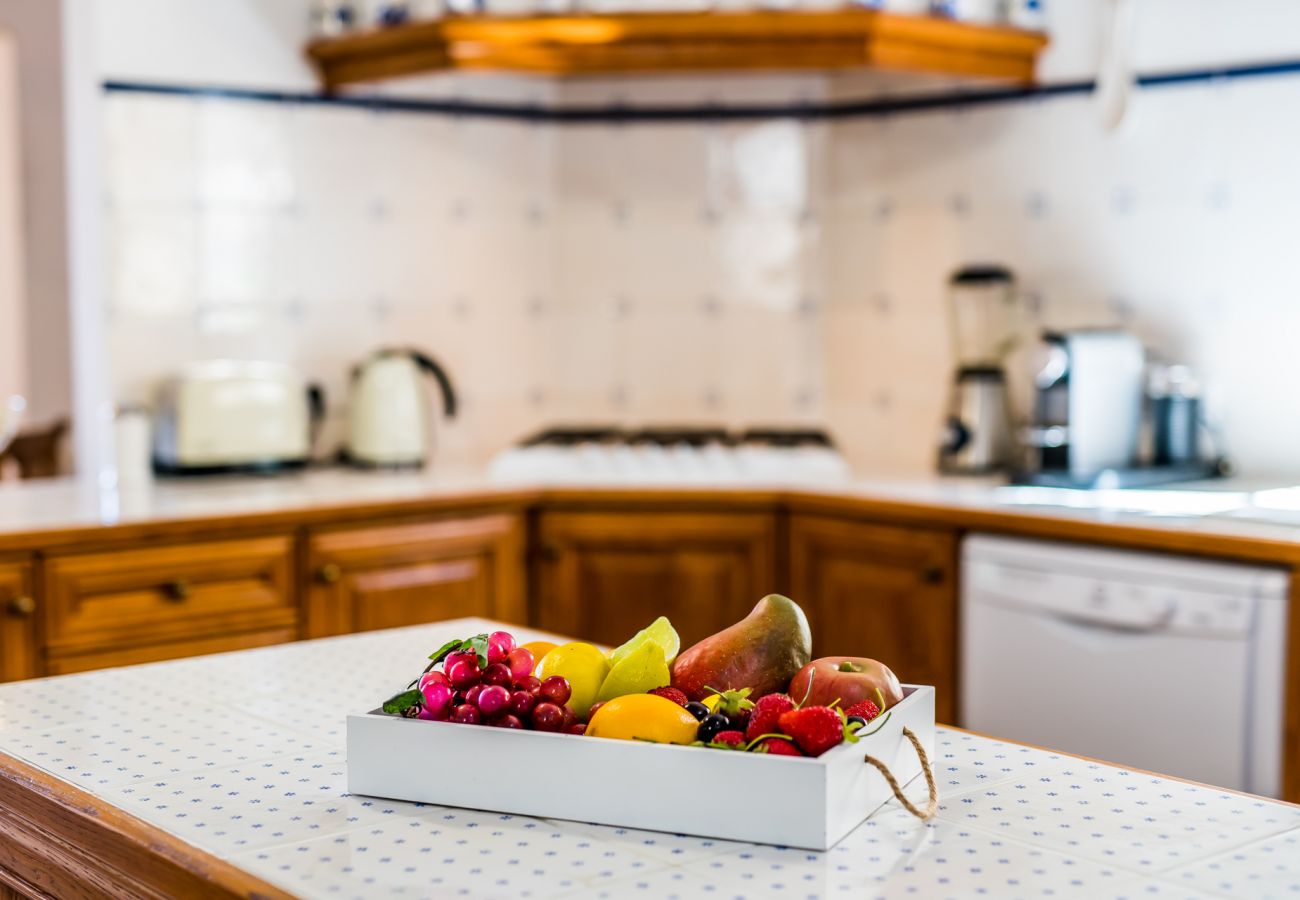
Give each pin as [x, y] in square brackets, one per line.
[400, 703]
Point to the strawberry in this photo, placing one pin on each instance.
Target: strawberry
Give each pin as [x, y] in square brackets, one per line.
[776, 747]
[763, 718]
[815, 729]
[735, 705]
[728, 740]
[867, 709]
[671, 693]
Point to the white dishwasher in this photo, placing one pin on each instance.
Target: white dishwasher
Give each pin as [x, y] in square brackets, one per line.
[1165, 663]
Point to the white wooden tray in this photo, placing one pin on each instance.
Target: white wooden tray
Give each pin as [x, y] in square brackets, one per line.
[807, 803]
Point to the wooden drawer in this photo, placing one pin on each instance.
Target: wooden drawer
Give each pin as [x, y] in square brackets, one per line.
[408, 573]
[19, 653]
[181, 592]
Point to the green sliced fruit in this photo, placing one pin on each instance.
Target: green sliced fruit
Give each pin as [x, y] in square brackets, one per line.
[661, 632]
[641, 670]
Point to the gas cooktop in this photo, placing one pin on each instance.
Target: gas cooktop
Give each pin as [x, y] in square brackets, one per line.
[658, 453]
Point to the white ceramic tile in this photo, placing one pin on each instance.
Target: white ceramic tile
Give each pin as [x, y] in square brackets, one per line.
[1082, 809]
[152, 261]
[332, 170]
[1264, 869]
[365, 228]
[151, 151]
[244, 155]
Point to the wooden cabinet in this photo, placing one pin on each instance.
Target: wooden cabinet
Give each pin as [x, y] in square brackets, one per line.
[604, 575]
[160, 602]
[887, 592]
[383, 576]
[19, 647]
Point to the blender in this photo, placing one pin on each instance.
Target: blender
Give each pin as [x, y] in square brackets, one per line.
[977, 434]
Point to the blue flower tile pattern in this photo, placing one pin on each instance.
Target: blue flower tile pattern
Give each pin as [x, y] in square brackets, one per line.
[243, 756]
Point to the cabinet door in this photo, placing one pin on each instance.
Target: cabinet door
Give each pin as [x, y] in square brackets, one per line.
[605, 575]
[19, 648]
[384, 576]
[885, 592]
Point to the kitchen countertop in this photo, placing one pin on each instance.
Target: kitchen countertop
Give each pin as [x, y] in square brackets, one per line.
[241, 756]
[1229, 508]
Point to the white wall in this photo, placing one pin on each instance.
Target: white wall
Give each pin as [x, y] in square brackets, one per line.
[13, 283]
[231, 43]
[37, 30]
[773, 271]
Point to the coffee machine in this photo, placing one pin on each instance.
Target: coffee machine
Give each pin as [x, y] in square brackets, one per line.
[977, 436]
[1088, 406]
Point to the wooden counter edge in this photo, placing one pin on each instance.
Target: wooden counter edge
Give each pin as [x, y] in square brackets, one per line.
[59, 841]
[1042, 524]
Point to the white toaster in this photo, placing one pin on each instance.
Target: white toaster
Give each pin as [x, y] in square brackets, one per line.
[234, 416]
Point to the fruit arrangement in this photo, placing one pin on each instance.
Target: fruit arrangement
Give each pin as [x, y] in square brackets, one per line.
[752, 687]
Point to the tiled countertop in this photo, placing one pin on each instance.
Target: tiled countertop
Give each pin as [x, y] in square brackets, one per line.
[1226, 508]
[242, 755]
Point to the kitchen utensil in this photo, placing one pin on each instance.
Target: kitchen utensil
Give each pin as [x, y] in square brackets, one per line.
[1175, 403]
[389, 411]
[132, 438]
[982, 11]
[11, 417]
[977, 436]
[235, 415]
[1027, 14]
[330, 18]
[1114, 70]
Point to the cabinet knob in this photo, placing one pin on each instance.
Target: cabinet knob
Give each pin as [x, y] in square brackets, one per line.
[22, 606]
[933, 574]
[178, 590]
[329, 574]
[550, 552]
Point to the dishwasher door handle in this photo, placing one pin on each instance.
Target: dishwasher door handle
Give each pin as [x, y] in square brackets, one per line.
[1110, 623]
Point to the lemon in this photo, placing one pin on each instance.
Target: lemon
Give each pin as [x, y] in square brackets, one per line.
[639, 671]
[644, 717]
[584, 665]
[539, 649]
[660, 632]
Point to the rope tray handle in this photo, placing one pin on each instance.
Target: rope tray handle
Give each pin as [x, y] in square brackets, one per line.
[933, 804]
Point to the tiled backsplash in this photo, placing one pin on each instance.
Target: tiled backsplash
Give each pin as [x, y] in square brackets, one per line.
[777, 271]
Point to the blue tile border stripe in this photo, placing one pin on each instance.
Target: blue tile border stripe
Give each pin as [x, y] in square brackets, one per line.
[707, 112]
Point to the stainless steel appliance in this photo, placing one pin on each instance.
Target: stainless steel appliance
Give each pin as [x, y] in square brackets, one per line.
[977, 436]
[1173, 665]
[1088, 409]
[1174, 395]
[234, 415]
[390, 412]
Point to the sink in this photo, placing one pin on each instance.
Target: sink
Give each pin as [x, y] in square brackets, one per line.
[1182, 503]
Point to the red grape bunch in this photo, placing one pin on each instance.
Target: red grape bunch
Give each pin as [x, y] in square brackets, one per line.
[504, 694]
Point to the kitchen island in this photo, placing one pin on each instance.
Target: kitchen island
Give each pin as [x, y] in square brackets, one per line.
[225, 775]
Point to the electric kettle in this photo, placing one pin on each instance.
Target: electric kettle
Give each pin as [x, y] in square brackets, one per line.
[390, 412]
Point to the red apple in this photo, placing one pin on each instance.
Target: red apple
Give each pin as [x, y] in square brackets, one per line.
[848, 679]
